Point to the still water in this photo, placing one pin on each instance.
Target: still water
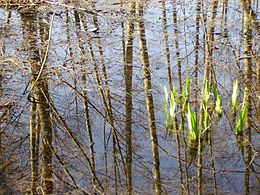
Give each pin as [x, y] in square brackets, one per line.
[66, 65]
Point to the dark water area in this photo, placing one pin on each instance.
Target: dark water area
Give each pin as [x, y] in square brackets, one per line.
[74, 58]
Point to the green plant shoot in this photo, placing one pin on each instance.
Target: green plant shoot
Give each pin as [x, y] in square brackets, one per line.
[172, 103]
[242, 117]
[206, 118]
[166, 117]
[235, 96]
[193, 125]
[166, 93]
[169, 110]
[186, 94]
[218, 100]
[206, 93]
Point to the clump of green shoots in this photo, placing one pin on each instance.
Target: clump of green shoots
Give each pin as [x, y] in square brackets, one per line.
[193, 125]
[206, 97]
[194, 131]
[218, 100]
[241, 120]
[186, 94]
[169, 110]
[242, 117]
[234, 97]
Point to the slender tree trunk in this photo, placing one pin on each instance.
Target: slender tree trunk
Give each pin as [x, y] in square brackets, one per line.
[248, 85]
[115, 140]
[128, 71]
[197, 43]
[213, 164]
[2, 51]
[178, 60]
[177, 47]
[40, 95]
[77, 144]
[45, 120]
[258, 72]
[149, 99]
[70, 52]
[89, 129]
[85, 96]
[166, 40]
[224, 18]
[107, 99]
[34, 148]
[105, 151]
[207, 71]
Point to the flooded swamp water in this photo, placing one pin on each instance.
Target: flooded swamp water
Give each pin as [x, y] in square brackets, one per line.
[80, 54]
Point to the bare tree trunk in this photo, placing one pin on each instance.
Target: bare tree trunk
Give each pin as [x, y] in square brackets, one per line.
[258, 73]
[213, 164]
[128, 71]
[85, 97]
[115, 140]
[167, 48]
[34, 148]
[149, 99]
[246, 6]
[207, 71]
[197, 43]
[40, 96]
[106, 100]
[89, 127]
[178, 60]
[77, 144]
[70, 52]
[2, 51]
[45, 120]
[177, 47]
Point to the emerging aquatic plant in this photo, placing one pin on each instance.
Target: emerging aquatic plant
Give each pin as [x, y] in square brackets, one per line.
[218, 107]
[169, 110]
[193, 125]
[242, 117]
[218, 100]
[186, 94]
[166, 117]
[166, 93]
[235, 96]
[206, 97]
[172, 102]
[206, 93]
[206, 119]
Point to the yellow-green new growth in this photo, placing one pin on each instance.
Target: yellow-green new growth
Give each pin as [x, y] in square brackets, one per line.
[186, 94]
[206, 119]
[235, 96]
[172, 103]
[218, 100]
[206, 97]
[169, 110]
[193, 125]
[242, 117]
[166, 93]
[206, 93]
[218, 107]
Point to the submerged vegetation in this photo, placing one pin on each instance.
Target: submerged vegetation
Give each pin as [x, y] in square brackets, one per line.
[82, 109]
